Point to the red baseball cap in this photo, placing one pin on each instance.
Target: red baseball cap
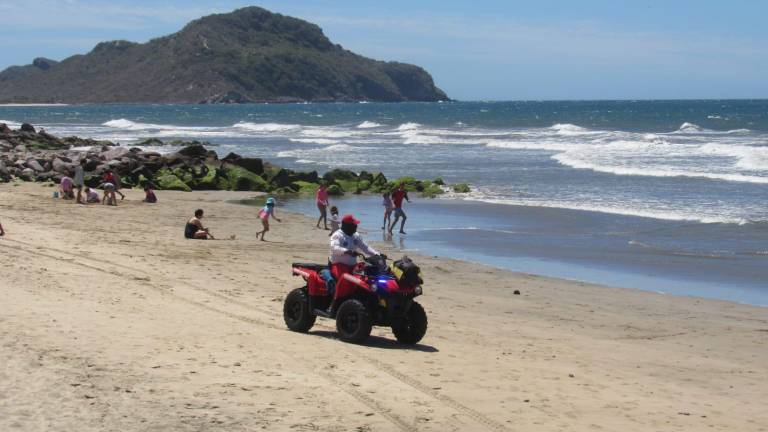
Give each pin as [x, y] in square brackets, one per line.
[350, 219]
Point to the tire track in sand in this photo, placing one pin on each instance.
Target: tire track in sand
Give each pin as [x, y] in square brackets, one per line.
[385, 367]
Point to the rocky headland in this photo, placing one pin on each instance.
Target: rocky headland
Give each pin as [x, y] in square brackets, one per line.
[248, 55]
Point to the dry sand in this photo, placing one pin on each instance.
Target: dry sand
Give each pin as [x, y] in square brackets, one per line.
[111, 321]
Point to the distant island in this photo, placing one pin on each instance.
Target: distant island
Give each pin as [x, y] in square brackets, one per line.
[249, 55]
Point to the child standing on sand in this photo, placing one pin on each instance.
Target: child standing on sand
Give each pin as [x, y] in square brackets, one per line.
[335, 221]
[264, 214]
[388, 207]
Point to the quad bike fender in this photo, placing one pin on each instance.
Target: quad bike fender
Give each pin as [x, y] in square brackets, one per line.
[315, 284]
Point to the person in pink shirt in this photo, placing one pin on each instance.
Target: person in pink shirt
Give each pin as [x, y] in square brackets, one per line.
[322, 205]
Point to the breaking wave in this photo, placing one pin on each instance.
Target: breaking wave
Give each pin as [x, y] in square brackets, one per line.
[368, 125]
[266, 127]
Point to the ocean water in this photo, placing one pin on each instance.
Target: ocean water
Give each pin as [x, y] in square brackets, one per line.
[669, 196]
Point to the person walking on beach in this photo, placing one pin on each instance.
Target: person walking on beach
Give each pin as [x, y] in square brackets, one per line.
[264, 214]
[322, 204]
[80, 181]
[397, 198]
[388, 207]
[194, 228]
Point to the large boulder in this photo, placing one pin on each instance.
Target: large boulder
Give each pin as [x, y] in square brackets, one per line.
[62, 167]
[114, 153]
[35, 165]
[27, 174]
[254, 165]
[26, 127]
[240, 179]
[5, 174]
[4, 129]
[335, 175]
[194, 150]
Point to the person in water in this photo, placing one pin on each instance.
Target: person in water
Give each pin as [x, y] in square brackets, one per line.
[346, 244]
[397, 198]
[321, 197]
[388, 207]
[195, 229]
[264, 214]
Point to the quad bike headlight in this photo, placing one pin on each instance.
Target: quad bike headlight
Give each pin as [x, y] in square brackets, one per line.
[417, 290]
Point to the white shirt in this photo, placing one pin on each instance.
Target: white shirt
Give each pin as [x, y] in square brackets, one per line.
[340, 243]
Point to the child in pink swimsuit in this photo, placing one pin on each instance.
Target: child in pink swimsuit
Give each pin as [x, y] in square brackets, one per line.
[264, 214]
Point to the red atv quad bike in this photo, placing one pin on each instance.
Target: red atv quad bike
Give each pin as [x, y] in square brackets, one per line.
[377, 295]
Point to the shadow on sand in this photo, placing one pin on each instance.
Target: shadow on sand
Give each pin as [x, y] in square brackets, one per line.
[379, 342]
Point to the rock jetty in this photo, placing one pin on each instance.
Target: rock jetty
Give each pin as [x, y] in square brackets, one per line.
[34, 155]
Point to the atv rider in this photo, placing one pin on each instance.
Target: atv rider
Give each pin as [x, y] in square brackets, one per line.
[345, 244]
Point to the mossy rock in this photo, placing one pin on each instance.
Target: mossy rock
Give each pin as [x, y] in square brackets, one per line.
[337, 175]
[363, 185]
[439, 181]
[461, 188]
[240, 179]
[411, 184]
[347, 185]
[171, 182]
[335, 190]
[209, 181]
[305, 187]
[432, 190]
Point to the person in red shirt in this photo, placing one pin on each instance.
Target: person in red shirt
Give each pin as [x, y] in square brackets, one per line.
[398, 196]
[112, 177]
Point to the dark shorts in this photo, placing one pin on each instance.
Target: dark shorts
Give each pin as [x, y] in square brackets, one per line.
[399, 212]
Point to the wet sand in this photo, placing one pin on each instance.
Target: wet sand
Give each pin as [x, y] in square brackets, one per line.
[111, 320]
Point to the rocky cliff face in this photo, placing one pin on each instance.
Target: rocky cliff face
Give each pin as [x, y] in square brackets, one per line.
[249, 55]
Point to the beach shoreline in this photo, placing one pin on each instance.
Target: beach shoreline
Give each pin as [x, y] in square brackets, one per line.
[114, 321]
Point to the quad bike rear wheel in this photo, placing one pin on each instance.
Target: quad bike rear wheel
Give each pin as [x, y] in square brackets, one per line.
[413, 327]
[296, 311]
[353, 321]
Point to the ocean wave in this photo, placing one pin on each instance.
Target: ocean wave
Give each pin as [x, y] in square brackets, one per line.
[408, 126]
[328, 132]
[11, 124]
[322, 141]
[689, 127]
[618, 209]
[568, 159]
[568, 129]
[266, 127]
[751, 158]
[368, 125]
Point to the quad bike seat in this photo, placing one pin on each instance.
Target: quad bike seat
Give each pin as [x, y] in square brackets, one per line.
[313, 267]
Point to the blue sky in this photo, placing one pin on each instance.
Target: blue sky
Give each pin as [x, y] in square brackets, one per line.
[475, 50]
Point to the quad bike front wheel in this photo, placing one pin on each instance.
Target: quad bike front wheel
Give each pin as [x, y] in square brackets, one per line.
[413, 327]
[296, 311]
[353, 321]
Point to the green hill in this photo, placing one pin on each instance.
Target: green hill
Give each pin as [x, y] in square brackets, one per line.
[249, 55]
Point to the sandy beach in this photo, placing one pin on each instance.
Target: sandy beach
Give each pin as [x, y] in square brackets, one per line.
[111, 320]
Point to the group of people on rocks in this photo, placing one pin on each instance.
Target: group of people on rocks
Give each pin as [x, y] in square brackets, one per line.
[110, 184]
[391, 201]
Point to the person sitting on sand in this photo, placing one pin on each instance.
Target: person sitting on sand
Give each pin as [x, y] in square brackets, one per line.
[91, 196]
[194, 228]
[397, 198]
[388, 207]
[65, 186]
[149, 194]
[109, 194]
[335, 221]
[264, 214]
[322, 204]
